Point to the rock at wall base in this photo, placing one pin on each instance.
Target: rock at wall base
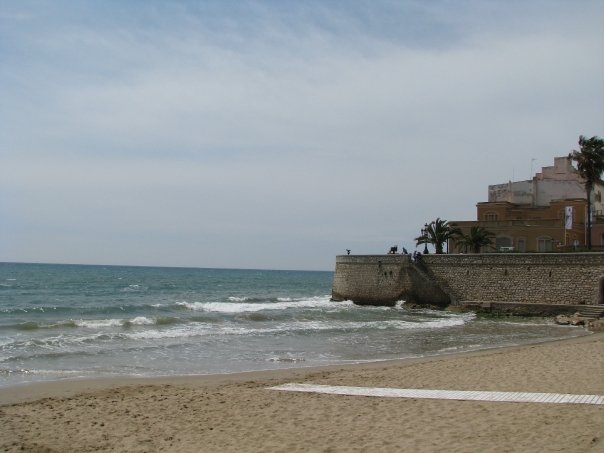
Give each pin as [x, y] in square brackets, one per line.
[595, 325]
[518, 309]
[573, 320]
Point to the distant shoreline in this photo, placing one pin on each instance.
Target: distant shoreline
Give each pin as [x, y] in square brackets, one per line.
[159, 266]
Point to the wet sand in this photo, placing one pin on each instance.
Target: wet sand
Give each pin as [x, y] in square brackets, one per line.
[228, 413]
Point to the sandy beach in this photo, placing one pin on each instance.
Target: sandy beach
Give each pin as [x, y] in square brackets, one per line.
[240, 413]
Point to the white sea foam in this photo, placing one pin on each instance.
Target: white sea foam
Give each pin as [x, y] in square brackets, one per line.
[209, 329]
[399, 324]
[177, 332]
[59, 344]
[241, 307]
[287, 359]
[141, 321]
[103, 323]
[452, 349]
[379, 325]
[195, 330]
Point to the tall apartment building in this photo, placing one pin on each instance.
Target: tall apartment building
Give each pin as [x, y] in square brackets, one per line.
[532, 215]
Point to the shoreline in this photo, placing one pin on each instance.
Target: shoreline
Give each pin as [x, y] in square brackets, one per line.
[64, 387]
[238, 412]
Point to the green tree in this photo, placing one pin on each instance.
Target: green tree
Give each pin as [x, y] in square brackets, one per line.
[437, 233]
[590, 165]
[477, 238]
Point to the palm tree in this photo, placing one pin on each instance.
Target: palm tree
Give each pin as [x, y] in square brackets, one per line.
[590, 165]
[477, 238]
[437, 233]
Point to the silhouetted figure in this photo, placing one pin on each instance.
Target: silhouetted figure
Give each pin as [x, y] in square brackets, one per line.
[393, 250]
[405, 252]
[347, 251]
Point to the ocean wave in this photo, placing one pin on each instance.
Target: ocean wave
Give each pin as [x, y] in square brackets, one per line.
[241, 307]
[145, 327]
[264, 299]
[56, 346]
[208, 329]
[120, 322]
[33, 325]
[99, 323]
[377, 325]
[145, 321]
[176, 332]
[406, 325]
[237, 299]
[82, 309]
[14, 371]
[139, 321]
[167, 320]
[254, 316]
[92, 323]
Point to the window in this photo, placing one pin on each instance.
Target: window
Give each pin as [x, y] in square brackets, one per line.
[521, 245]
[545, 244]
[491, 216]
[504, 244]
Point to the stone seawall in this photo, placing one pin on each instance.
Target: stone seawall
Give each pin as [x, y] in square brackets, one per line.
[568, 279]
[560, 278]
[383, 280]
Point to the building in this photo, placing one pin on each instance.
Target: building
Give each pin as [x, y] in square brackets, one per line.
[547, 213]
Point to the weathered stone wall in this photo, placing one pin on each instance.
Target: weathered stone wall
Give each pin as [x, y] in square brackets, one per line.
[563, 279]
[550, 278]
[383, 279]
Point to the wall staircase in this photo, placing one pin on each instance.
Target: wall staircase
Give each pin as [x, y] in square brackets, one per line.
[592, 311]
[425, 274]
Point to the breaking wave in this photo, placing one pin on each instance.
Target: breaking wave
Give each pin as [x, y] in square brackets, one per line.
[241, 307]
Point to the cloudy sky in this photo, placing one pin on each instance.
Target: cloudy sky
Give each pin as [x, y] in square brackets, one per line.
[277, 134]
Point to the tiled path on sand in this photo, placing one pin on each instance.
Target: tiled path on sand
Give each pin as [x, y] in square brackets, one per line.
[509, 397]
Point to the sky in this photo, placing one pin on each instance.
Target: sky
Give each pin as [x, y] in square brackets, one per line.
[277, 134]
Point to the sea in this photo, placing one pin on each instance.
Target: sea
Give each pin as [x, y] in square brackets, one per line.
[81, 321]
